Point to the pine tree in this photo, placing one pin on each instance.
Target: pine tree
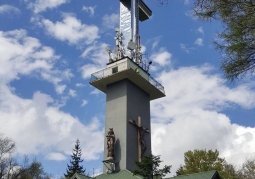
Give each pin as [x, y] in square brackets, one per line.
[149, 167]
[75, 166]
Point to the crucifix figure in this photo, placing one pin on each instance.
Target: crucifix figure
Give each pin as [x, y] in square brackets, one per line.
[141, 142]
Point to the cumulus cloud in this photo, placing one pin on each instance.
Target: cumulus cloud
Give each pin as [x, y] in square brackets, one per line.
[71, 30]
[72, 93]
[162, 57]
[200, 30]
[8, 9]
[199, 42]
[50, 127]
[90, 10]
[43, 5]
[23, 55]
[84, 102]
[191, 116]
[79, 85]
[110, 21]
[95, 92]
[39, 116]
[60, 89]
[98, 58]
[56, 156]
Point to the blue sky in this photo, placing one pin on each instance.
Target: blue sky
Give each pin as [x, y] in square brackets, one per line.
[48, 50]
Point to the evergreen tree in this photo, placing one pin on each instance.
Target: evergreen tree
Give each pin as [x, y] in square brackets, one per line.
[149, 167]
[75, 166]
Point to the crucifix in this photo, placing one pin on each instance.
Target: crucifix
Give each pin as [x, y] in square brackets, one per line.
[141, 142]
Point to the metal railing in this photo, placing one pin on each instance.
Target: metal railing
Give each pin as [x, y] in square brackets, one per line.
[124, 66]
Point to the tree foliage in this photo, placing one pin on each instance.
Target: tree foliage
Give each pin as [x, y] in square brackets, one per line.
[7, 162]
[33, 171]
[75, 161]
[11, 169]
[202, 160]
[237, 40]
[149, 167]
[248, 169]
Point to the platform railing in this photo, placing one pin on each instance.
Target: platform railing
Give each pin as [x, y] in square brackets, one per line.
[128, 64]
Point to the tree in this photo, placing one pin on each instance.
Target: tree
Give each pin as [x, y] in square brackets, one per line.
[7, 162]
[34, 171]
[75, 166]
[237, 40]
[202, 160]
[248, 169]
[9, 167]
[149, 167]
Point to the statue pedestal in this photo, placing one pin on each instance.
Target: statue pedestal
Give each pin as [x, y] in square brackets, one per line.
[110, 164]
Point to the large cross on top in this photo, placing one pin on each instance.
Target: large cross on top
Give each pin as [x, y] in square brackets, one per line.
[131, 11]
[141, 142]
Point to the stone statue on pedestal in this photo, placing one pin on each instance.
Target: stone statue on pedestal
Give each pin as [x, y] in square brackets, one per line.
[110, 144]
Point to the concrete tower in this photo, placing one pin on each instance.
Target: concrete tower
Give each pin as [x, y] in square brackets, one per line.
[129, 88]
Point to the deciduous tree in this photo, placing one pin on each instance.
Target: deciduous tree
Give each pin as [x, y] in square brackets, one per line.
[202, 160]
[248, 169]
[11, 169]
[237, 40]
[7, 162]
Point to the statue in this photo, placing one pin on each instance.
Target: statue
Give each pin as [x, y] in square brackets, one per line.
[141, 131]
[110, 144]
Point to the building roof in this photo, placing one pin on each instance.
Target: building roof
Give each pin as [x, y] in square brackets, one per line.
[203, 175]
[123, 174]
[79, 176]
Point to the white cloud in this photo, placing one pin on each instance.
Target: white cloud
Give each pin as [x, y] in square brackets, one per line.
[60, 89]
[23, 55]
[98, 57]
[84, 102]
[60, 129]
[155, 42]
[200, 30]
[79, 85]
[56, 156]
[191, 116]
[163, 57]
[199, 42]
[42, 5]
[143, 49]
[95, 92]
[184, 48]
[71, 30]
[72, 93]
[8, 9]
[90, 10]
[110, 21]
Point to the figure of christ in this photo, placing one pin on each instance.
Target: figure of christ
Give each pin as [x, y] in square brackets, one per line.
[110, 143]
[141, 131]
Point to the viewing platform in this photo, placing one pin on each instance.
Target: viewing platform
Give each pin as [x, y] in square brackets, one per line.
[127, 69]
